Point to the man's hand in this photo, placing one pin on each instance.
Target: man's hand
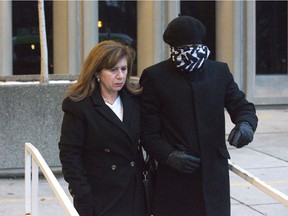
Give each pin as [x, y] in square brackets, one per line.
[183, 162]
[241, 135]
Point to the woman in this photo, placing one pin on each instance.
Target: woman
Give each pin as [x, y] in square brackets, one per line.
[99, 145]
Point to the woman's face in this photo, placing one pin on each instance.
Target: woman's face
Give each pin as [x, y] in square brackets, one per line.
[112, 80]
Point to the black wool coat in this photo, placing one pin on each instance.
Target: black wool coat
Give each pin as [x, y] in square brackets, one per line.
[100, 156]
[185, 111]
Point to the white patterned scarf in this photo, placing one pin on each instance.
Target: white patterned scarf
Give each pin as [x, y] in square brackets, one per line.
[189, 58]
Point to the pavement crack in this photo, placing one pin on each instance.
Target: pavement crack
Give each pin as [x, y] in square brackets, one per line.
[248, 206]
[270, 155]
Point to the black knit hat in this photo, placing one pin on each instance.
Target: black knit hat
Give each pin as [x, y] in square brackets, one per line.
[184, 30]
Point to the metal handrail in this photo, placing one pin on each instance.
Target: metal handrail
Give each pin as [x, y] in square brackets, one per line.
[33, 159]
[272, 192]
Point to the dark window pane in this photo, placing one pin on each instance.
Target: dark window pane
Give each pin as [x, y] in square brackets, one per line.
[205, 12]
[26, 46]
[118, 22]
[271, 37]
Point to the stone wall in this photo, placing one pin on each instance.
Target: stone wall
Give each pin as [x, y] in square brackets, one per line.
[32, 113]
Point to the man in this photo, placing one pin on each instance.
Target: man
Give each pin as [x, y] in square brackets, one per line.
[183, 124]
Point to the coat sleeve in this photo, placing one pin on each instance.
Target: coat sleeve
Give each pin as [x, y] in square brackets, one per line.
[236, 104]
[71, 146]
[151, 126]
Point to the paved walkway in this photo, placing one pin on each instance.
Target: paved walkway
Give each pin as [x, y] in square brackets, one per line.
[266, 158]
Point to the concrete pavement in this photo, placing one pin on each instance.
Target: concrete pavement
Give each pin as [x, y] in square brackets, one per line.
[266, 158]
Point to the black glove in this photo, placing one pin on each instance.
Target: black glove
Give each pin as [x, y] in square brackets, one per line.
[241, 135]
[183, 162]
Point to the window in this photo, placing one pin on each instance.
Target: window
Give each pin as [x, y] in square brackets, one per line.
[271, 37]
[26, 46]
[205, 12]
[118, 21]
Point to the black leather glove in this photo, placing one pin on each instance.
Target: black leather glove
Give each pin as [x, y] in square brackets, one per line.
[183, 162]
[241, 135]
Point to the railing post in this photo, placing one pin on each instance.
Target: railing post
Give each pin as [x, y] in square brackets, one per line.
[35, 183]
[28, 159]
[32, 154]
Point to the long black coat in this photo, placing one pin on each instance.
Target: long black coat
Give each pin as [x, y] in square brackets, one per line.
[186, 111]
[101, 154]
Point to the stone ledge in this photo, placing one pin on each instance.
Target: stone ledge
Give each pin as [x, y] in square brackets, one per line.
[13, 173]
[34, 77]
[30, 113]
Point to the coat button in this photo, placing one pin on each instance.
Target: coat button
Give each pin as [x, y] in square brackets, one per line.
[132, 163]
[113, 167]
[107, 150]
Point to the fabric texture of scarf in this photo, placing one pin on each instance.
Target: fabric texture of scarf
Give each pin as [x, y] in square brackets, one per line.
[189, 58]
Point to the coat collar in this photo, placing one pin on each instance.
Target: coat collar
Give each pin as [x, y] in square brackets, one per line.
[106, 112]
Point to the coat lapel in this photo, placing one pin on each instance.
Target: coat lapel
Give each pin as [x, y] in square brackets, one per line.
[107, 113]
[127, 107]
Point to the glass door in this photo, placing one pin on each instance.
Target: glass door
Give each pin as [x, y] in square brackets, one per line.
[271, 78]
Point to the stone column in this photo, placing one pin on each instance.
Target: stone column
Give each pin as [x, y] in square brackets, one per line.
[225, 32]
[75, 46]
[60, 33]
[90, 26]
[6, 56]
[152, 19]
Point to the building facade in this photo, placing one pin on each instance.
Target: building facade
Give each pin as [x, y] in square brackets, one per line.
[251, 36]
